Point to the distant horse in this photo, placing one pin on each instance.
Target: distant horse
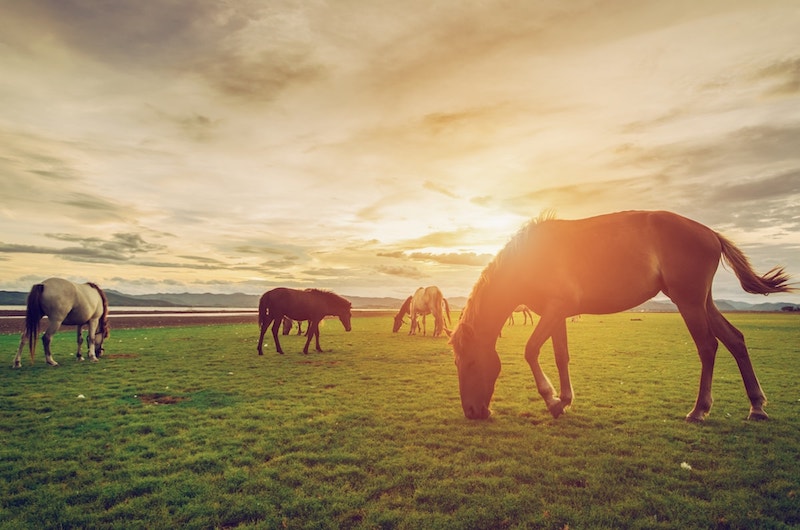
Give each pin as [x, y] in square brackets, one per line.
[288, 323]
[71, 304]
[429, 300]
[526, 314]
[602, 265]
[309, 304]
[405, 309]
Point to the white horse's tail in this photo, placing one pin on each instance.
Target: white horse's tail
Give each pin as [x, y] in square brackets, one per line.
[34, 314]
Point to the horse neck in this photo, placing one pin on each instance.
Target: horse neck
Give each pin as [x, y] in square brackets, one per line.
[405, 308]
[494, 298]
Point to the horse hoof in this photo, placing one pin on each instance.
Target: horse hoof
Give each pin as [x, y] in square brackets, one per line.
[758, 415]
[557, 408]
[694, 419]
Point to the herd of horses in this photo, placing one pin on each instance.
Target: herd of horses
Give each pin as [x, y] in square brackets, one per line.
[557, 269]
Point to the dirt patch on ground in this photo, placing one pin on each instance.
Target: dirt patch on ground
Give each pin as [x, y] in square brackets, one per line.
[160, 399]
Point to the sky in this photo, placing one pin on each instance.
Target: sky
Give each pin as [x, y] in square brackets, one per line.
[372, 147]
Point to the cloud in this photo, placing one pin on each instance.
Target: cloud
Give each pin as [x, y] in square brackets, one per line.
[447, 258]
[773, 187]
[453, 258]
[784, 76]
[260, 78]
[401, 271]
[119, 247]
[438, 188]
[157, 34]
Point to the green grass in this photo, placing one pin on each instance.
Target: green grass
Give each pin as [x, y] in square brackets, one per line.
[189, 427]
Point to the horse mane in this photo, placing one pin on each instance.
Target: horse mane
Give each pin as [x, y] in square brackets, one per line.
[518, 243]
[406, 307]
[104, 328]
[332, 298]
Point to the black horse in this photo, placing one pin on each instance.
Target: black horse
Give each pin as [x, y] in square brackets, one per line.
[309, 304]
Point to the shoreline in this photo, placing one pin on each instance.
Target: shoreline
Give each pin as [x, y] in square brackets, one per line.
[12, 321]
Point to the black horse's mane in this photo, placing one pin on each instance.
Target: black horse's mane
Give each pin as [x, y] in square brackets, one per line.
[331, 297]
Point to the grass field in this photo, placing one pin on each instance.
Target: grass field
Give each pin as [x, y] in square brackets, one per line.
[189, 428]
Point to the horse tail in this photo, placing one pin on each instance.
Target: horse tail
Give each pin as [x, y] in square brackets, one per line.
[33, 314]
[447, 310]
[262, 309]
[774, 281]
[105, 329]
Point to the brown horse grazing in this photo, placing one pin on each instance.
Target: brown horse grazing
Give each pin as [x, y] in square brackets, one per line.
[64, 302]
[309, 304]
[425, 301]
[602, 265]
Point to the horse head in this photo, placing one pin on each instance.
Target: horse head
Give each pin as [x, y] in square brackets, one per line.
[398, 321]
[478, 368]
[102, 334]
[345, 318]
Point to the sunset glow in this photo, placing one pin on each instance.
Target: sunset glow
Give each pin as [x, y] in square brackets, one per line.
[371, 148]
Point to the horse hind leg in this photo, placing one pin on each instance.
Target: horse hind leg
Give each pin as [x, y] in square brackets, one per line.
[733, 339]
[24, 338]
[264, 325]
[698, 323]
[80, 343]
[275, 325]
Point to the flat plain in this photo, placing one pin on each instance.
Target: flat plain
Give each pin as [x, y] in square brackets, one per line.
[188, 427]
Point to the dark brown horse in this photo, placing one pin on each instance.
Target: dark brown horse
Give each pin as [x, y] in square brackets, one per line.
[309, 304]
[601, 265]
[65, 303]
[405, 309]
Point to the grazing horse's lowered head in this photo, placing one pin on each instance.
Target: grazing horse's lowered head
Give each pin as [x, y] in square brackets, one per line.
[398, 318]
[309, 304]
[65, 303]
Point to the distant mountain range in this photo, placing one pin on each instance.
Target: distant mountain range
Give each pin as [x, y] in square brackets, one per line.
[241, 300]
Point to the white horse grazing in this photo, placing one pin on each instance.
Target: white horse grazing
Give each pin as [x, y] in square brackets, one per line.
[429, 300]
[64, 302]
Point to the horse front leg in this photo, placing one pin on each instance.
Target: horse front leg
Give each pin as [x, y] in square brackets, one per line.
[92, 339]
[540, 334]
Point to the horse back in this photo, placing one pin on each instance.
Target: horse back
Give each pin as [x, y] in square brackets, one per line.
[73, 304]
[294, 303]
[612, 262]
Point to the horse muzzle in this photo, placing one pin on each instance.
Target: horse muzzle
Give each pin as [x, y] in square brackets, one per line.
[476, 412]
